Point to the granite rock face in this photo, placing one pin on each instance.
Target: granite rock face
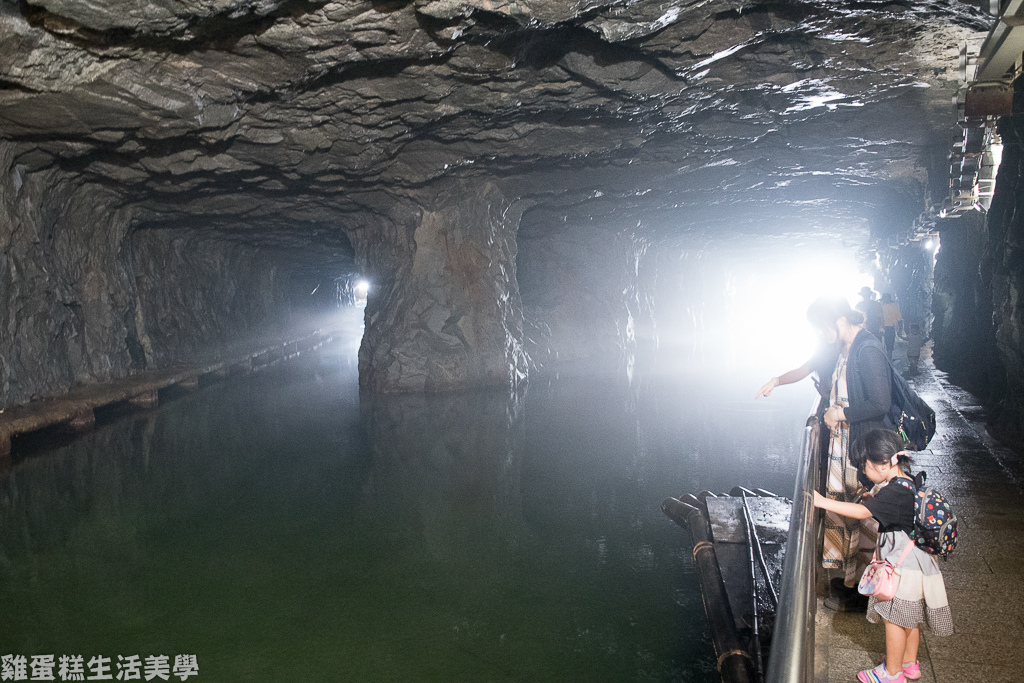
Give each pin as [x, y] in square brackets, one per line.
[249, 142]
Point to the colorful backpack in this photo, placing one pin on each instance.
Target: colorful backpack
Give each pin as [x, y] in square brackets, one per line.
[934, 522]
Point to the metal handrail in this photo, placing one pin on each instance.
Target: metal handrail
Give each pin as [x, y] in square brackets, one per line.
[792, 656]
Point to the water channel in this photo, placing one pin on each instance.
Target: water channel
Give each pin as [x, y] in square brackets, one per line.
[280, 528]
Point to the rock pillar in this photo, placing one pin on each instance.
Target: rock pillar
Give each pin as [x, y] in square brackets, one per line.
[448, 315]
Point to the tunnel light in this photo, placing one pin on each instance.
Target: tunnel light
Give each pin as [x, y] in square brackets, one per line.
[771, 300]
[360, 290]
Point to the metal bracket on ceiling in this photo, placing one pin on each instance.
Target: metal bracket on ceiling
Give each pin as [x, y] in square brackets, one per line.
[1003, 47]
[986, 94]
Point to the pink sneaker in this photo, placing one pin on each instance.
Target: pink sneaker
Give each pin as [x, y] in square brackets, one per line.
[911, 671]
[880, 675]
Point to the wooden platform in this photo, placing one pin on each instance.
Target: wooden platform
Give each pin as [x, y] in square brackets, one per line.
[76, 409]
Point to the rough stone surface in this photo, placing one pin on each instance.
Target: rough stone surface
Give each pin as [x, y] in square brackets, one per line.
[585, 296]
[452, 315]
[322, 133]
[192, 291]
[964, 338]
[981, 279]
[86, 299]
[65, 292]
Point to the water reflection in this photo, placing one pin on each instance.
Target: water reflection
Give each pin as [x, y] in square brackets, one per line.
[449, 467]
[280, 528]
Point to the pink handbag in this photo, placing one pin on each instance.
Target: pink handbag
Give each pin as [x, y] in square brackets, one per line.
[880, 578]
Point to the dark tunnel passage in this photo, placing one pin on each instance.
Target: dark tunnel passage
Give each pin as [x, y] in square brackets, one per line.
[513, 182]
[449, 296]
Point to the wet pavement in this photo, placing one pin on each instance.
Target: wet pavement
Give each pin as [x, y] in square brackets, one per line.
[984, 576]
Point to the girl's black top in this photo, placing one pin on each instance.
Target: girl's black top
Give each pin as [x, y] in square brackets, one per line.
[893, 507]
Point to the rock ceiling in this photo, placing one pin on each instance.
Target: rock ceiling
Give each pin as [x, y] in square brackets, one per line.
[282, 119]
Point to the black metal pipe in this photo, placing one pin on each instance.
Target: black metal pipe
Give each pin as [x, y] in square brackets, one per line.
[734, 662]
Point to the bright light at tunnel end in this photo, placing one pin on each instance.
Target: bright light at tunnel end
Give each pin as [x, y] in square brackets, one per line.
[360, 290]
[774, 301]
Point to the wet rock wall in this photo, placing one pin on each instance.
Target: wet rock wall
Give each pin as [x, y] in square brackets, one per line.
[194, 294]
[85, 298]
[66, 301]
[979, 280]
[586, 298]
[447, 313]
[1003, 270]
[962, 330]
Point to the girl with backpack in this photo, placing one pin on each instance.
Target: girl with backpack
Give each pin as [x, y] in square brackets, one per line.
[921, 593]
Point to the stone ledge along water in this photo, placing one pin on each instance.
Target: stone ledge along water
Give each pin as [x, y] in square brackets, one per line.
[75, 410]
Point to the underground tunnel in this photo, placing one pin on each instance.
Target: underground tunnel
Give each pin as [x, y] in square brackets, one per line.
[525, 262]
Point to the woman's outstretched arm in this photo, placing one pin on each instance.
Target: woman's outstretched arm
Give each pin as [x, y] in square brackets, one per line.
[794, 375]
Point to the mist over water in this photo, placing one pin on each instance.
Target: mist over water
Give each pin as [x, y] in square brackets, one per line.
[280, 527]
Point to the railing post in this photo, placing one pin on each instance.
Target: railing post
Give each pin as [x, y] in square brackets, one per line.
[792, 653]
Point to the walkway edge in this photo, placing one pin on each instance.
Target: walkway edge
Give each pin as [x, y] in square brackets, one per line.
[76, 408]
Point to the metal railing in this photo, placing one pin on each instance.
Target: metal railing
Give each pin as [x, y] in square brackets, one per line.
[792, 657]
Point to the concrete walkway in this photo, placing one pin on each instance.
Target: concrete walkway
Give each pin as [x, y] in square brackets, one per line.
[985, 575]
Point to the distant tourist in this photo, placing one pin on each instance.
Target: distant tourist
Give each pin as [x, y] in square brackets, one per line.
[872, 311]
[921, 593]
[915, 340]
[891, 319]
[859, 399]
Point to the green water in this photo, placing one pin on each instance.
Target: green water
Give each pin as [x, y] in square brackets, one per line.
[281, 529]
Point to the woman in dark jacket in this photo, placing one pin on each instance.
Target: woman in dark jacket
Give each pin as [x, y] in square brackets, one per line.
[859, 401]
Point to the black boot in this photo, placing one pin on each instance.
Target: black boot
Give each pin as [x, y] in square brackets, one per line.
[845, 599]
